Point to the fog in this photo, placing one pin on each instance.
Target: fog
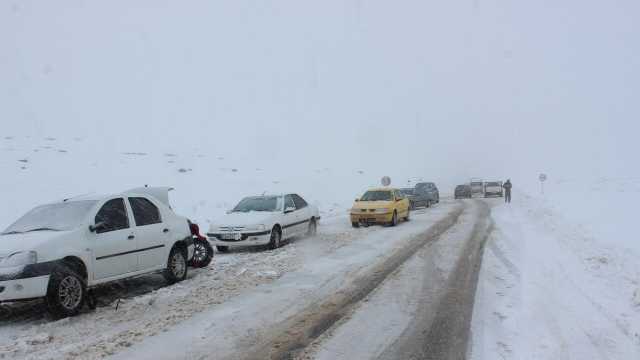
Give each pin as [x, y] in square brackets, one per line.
[446, 90]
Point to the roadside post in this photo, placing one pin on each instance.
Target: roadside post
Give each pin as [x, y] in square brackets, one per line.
[542, 178]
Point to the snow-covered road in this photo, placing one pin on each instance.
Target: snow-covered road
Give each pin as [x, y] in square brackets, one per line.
[236, 305]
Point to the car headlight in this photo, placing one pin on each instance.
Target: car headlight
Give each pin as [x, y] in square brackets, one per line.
[382, 211]
[20, 258]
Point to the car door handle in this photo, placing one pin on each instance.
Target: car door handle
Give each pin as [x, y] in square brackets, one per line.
[165, 231]
[131, 237]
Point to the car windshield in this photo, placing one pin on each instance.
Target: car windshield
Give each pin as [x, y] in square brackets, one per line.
[54, 217]
[378, 195]
[259, 203]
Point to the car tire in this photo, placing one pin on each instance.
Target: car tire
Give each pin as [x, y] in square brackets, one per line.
[428, 205]
[66, 293]
[222, 249]
[355, 225]
[394, 219]
[406, 218]
[176, 269]
[313, 228]
[202, 254]
[276, 238]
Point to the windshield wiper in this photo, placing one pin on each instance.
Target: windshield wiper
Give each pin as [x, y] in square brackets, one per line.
[43, 229]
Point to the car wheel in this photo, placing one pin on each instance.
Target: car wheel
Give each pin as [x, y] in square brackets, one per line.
[202, 253]
[428, 205]
[66, 293]
[176, 270]
[276, 236]
[355, 225]
[406, 218]
[394, 219]
[313, 228]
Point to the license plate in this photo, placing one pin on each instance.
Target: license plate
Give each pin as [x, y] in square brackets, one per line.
[231, 236]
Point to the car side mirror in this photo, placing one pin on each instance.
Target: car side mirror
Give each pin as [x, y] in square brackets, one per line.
[289, 210]
[98, 226]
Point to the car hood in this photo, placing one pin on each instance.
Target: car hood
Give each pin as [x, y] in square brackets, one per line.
[247, 219]
[373, 204]
[27, 241]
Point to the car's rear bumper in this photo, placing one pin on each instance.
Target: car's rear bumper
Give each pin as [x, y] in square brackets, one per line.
[26, 288]
[371, 218]
[246, 239]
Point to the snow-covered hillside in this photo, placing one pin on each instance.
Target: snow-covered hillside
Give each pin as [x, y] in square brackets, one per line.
[206, 182]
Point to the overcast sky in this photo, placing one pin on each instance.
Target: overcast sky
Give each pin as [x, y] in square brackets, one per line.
[454, 88]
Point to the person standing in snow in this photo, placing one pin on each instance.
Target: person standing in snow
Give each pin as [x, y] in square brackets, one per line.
[507, 191]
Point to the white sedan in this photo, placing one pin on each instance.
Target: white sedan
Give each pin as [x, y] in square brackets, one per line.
[59, 250]
[264, 220]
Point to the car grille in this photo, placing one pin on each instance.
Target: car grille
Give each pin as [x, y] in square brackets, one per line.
[231, 228]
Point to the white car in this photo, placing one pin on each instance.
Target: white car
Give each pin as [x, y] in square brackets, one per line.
[264, 220]
[59, 250]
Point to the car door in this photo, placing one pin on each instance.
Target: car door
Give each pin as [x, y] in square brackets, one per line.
[290, 217]
[151, 232]
[114, 241]
[304, 214]
[402, 204]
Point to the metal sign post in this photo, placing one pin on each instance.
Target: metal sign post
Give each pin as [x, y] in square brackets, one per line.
[542, 178]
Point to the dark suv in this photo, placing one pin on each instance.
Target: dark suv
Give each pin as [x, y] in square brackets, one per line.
[463, 192]
[427, 192]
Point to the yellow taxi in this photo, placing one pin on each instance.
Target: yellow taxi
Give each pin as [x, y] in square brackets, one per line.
[380, 206]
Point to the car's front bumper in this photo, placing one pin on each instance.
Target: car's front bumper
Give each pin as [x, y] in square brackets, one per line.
[26, 288]
[246, 239]
[371, 218]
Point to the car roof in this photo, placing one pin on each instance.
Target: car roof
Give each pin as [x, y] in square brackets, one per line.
[160, 193]
[382, 189]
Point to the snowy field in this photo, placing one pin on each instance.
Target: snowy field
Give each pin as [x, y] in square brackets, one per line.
[561, 275]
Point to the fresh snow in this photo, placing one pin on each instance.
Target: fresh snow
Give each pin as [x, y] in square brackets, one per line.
[560, 275]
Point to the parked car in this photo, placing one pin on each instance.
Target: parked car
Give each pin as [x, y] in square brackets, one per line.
[380, 206]
[493, 188]
[264, 220]
[415, 200]
[60, 250]
[462, 192]
[477, 186]
[428, 193]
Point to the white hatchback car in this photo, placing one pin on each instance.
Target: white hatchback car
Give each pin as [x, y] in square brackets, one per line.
[59, 250]
[264, 220]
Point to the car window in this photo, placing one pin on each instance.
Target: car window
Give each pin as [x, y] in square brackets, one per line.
[144, 211]
[377, 195]
[398, 195]
[288, 202]
[114, 216]
[300, 203]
